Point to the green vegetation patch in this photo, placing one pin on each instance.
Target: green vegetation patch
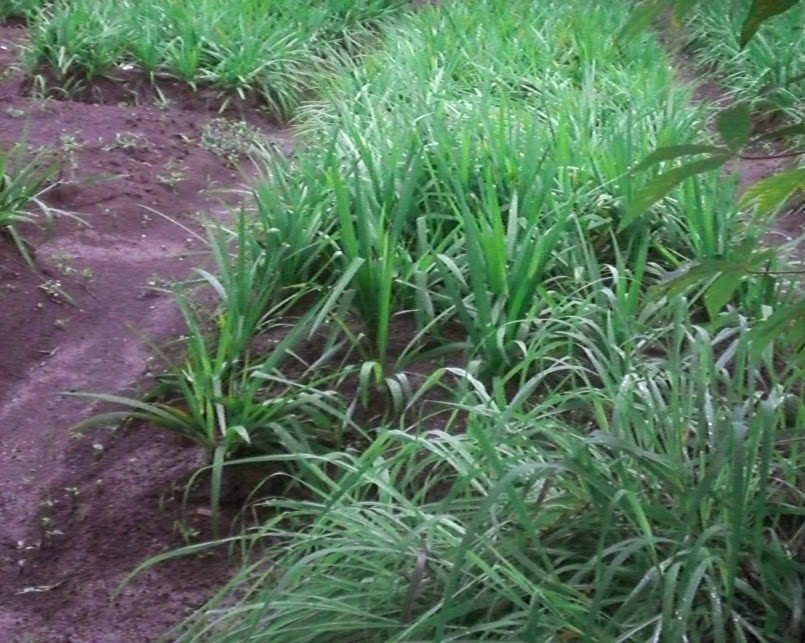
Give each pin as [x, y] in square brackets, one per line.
[19, 8]
[439, 328]
[762, 71]
[24, 179]
[272, 49]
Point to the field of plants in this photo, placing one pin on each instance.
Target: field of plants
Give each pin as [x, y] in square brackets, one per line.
[763, 71]
[450, 334]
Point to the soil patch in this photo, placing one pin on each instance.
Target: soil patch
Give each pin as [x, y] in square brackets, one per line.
[78, 513]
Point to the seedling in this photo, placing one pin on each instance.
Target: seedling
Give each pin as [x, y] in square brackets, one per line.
[173, 173]
[126, 141]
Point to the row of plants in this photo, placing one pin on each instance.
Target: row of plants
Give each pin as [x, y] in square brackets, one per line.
[754, 47]
[446, 331]
[23, 181]
[273, 50]
[768, 71]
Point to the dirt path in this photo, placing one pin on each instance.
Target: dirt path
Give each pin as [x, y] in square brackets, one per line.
[78, 514]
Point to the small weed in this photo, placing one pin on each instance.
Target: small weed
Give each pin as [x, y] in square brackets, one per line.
[55, 291]
[65, 154]
[173, 174]
[126, 141]
[70, 143]
[157, 283]
[52, 287]
[232, 140]
[187, 532]
[63, 263]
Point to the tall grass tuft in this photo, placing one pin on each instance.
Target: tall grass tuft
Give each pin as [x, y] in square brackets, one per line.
[24, 181]
[270, 50]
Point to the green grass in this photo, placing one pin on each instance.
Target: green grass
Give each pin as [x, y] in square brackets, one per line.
[19, 8]
[436, 327]
[24, 180]
[272, 49]
[759, 72]
[644, 528]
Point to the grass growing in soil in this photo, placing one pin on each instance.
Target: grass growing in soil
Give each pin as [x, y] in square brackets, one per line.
[19, 8]
[23, 182]
[761, 71]
[493, 421]
[273, 50]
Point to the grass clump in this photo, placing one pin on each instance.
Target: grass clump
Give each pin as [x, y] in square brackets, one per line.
[516, 526]
[272, 50]
[23, 182]
[458, 197]
[19, 8]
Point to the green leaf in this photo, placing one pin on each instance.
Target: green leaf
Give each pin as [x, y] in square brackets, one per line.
[773, 192]
[216, 476]
[759, 13]
[680, 280]
[241, 432]
[722, 273]
[774, 327]
[660, 186]
[675, 151]
[734, 124]
[720, 293]
[642, 17]
[795, 335]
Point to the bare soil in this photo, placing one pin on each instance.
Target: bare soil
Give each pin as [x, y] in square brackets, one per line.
[79, 512]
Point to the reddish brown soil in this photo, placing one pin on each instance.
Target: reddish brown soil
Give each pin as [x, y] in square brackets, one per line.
[77, 514]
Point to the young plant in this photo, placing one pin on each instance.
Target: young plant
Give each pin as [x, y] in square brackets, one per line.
[23, 184]
[274, 51]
